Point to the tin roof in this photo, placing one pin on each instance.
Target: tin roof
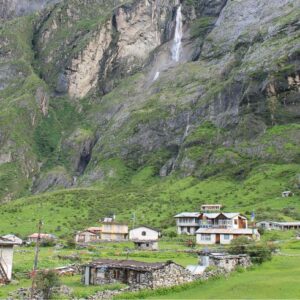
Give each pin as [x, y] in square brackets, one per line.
[148, 227]
[188, 215]
[227, 231]
[128, 264]
[42, 236]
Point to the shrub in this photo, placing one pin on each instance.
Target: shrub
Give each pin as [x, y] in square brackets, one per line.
[258, 252]
[46, 281]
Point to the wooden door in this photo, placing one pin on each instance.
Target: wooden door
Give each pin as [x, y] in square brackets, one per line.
[217, 238]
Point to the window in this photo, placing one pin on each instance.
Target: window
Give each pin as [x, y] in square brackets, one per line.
[205, 237]
[226, 237]
[144, 233]
[235, 222]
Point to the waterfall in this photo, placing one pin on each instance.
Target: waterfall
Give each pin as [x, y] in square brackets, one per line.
[176, 49]
[156, 76]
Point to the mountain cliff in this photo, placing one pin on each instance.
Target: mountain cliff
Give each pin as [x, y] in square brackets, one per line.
[95, 92]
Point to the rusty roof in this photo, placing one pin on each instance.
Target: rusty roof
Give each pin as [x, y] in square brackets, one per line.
[128, 264]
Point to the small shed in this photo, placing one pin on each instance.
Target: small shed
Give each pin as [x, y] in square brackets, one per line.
[144, 233]
[136, 274]
[6, 259]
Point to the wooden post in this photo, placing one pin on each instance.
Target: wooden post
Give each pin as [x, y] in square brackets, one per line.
[36, 258]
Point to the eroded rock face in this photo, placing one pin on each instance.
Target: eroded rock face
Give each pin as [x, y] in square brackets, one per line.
[15, 8]
[82, 74]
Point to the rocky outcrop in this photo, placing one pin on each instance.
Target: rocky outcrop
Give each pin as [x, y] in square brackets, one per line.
[15, 8]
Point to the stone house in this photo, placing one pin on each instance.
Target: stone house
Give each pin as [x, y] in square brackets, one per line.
[229, 262]
[6, 259]
[136, 274]
[86, 236]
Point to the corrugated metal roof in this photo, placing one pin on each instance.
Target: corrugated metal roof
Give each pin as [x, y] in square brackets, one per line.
[188, 215]
[226, 231]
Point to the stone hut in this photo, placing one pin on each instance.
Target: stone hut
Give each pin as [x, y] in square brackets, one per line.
[136, 274]
[226, 261]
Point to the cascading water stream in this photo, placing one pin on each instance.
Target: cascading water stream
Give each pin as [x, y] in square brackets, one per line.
[176, 49]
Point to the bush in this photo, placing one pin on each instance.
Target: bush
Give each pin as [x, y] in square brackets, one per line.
[258, 252]
[46, 281]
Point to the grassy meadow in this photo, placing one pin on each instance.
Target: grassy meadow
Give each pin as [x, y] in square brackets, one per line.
[276, 279]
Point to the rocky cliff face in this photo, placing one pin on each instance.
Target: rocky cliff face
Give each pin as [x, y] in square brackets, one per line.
[15, 8]
[230, 100]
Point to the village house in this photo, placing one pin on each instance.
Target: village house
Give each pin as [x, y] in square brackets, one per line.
[136, 274]
[43, 237]
[6, 259]
[144, 233]
[86, 236]
[113, 231]
[189, 223]
[271, 225]
[13, 238]
[144, 237]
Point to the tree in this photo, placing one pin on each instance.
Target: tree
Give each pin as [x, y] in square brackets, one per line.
[46, 281]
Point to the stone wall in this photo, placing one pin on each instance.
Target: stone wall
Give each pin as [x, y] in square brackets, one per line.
[171, 275]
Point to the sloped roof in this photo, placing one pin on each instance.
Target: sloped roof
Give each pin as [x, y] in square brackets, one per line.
[188, 215]
[42, 236]
[128, 264]
[6, 242]
[148, 227]
[227, 231]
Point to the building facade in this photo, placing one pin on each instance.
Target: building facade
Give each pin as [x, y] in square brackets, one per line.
[136, 274]
[43, 237]
[112, 231]
[86, 236]
[6, 259]
[270, 225]
[210, 236]
[144, 233]
[189, 223]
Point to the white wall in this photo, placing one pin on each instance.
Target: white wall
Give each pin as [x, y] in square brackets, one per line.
[205, 242]
[6, 256]
[225, 242]
[136, 234]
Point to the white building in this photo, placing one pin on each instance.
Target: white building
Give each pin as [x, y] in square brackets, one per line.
[210, 236]
[270, 225]
[189, 223]
[144, 233]
[6, 259]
